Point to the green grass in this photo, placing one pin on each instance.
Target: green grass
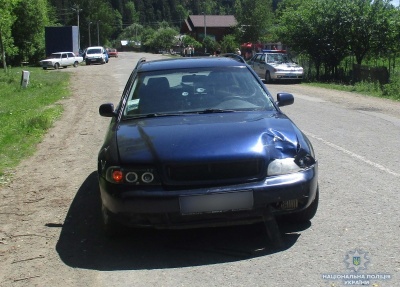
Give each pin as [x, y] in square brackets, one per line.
[27, 113]
[389, 91]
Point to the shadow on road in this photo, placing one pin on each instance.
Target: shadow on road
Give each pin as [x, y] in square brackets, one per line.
[83, 245]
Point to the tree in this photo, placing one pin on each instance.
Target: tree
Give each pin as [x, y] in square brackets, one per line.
[255, 18]
[371, 27]
[328, 31]
[229, 44]
[7, 19]
[130, 15]
[162, 39]
[28, 31]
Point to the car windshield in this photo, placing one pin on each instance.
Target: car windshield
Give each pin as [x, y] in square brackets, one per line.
[277, 58]
[93, 51]
[206, 90]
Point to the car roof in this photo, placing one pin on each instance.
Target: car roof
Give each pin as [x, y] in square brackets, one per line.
[191, 62]
[274, 51]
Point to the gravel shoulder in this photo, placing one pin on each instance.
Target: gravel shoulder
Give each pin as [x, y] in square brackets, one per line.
[35, 203]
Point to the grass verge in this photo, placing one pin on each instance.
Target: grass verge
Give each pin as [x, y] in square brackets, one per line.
[389, 91]
[27, 113]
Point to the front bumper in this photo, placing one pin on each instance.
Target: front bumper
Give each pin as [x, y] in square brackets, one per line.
[47, 64]
[168, 209]
[287, 75]
[94, 60]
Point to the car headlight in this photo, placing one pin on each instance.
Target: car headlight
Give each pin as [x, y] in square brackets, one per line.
[282, 166]
[136, 176]
[301, 161]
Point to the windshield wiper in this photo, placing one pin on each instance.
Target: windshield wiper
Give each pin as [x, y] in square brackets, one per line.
[153, 115]
[156, 115]
[211, 111]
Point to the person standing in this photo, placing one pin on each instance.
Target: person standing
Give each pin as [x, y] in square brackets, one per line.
[218, 52]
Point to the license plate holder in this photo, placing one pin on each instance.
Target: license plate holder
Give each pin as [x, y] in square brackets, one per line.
[216, 202]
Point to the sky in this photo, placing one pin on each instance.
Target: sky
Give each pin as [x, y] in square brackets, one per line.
[395, 2]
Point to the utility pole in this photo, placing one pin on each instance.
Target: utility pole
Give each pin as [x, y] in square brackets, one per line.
[90, 43]
[98, 34]
[205, 32]
[76, 8]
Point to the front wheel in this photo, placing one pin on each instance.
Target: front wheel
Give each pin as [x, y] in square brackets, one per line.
[76, 64]
[56, 66]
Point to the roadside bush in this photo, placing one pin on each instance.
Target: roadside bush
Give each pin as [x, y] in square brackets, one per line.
[392, 90]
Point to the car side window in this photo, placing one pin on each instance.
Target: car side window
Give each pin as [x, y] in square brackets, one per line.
[64, 56]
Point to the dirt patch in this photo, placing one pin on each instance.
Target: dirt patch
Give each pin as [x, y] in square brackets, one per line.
[35, 203]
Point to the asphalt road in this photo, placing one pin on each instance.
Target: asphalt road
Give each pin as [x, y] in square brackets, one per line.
[356, 140]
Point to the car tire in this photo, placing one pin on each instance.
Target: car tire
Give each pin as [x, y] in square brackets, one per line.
[268, 77]
[111, 227]
[56, 66]
[305, 215]
[76, 64]
[87, 63]
[44, 68]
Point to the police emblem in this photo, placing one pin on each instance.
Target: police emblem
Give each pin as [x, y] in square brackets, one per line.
[356, 260]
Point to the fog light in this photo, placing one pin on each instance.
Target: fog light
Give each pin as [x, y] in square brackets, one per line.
[147, 177]
[131, 177]
[288, 205]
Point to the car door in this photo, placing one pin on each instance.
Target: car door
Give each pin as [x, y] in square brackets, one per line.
[253, 63]
[261, 65]
[64, 60]
[71, 58]
[258, 67]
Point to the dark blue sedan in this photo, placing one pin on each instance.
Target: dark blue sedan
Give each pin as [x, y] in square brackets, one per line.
[200, 142]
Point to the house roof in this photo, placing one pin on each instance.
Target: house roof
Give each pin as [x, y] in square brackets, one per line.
[221, 21]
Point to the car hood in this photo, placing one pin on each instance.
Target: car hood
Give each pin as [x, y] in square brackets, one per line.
[209, 137]
[285, 66]
[50, 59]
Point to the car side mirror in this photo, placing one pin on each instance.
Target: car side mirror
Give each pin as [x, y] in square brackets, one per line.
[284, 99]
[107, 110]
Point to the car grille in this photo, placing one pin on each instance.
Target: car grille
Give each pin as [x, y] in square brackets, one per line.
[244, 170]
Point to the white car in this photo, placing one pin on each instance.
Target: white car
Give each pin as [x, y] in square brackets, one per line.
[96, 54]
[273, 65]
[61, 59]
